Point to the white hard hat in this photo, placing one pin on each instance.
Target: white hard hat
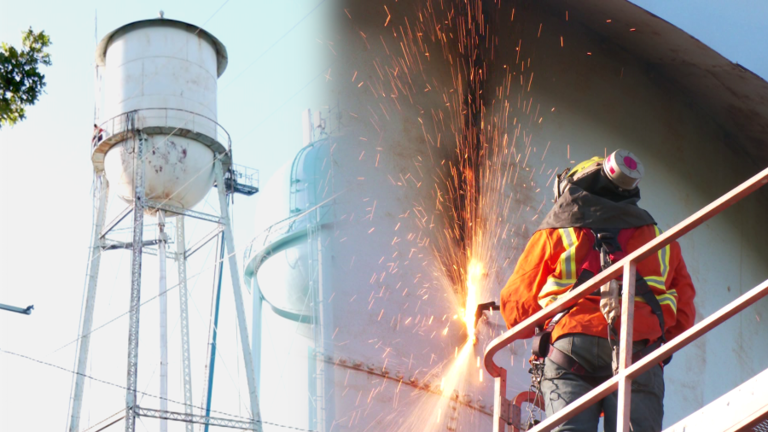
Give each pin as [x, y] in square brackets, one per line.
[621, 167]
[624, 169]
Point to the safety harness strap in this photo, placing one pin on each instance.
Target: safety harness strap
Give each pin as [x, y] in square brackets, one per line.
[644, 291]
[608, 241]
[565, 361]
[611, 240]
[584, 276]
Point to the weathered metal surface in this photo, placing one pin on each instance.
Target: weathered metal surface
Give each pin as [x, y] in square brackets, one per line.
[193, 30]
[597, 96]
[158, 63]
[742, 407]
[160, 77]
[178, 170]
[165, 122]
[733, 96]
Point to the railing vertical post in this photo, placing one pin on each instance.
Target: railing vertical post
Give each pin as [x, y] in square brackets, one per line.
[625, 352]
[500, 399]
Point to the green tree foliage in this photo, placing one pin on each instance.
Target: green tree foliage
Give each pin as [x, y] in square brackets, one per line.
[21, 82]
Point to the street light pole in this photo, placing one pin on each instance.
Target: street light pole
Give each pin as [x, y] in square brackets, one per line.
[25, 311]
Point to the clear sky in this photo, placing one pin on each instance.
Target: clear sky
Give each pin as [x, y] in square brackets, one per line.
[273, 73]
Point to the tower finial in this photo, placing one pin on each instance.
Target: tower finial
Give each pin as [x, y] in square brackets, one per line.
[162, 14]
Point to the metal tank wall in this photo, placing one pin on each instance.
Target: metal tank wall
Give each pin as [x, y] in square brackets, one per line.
[277, 270]
[359, 311]
[161, 76]
[596, 98]
[379, 351]
[355, 312]
[178, 170]
[160, 64]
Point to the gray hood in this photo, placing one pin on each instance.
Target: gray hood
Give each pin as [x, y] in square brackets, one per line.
[593, 201]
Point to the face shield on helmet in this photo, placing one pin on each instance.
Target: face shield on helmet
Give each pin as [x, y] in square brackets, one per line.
[621, 167]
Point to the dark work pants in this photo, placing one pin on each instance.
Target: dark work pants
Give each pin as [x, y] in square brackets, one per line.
[561, 387]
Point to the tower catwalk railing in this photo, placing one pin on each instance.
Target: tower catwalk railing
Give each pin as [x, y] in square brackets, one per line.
[504, 412]
[181, 121]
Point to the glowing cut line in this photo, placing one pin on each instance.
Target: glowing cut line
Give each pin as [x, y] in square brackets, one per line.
[474, 272]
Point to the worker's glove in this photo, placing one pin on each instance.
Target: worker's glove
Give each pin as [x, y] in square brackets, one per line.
[609, 301]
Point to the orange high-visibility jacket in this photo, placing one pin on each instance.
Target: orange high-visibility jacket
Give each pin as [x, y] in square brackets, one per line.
[548, 268]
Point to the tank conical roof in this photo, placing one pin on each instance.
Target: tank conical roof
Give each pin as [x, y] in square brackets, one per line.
[221, 50]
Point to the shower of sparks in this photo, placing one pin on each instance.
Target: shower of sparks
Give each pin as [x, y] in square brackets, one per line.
[483, 198]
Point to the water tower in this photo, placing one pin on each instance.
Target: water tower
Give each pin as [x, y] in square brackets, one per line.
[159, 146]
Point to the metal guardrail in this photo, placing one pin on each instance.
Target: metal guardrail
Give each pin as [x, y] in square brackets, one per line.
[167, 118]
[627, 371]
[275, 231]
[246, 176]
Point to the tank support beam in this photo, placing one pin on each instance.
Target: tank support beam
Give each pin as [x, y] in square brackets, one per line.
[163, 303]
[191, 419]
[204, 241]
[181, 262]
[135, 302]
[94, 261]
[119, 218]
[235, 274]
[184, 212]
[215, 328]
[318, 320]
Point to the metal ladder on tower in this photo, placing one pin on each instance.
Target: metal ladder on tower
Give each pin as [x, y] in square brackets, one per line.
[505, 413]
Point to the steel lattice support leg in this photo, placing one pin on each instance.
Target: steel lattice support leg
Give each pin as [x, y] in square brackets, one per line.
[244, 340]
[94, 261]
[163, 303]
[135, 302]
[181, 261]
[319, 322]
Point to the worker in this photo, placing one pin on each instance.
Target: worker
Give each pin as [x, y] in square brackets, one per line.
[596, 221]
[98, 135]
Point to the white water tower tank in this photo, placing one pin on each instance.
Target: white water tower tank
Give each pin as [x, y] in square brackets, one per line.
[160, 80]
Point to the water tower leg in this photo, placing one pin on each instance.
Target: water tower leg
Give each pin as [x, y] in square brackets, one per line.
[163, 303]
[135, 302]
[212, 361]
[244, 342]
[314, 248]
[94, 261]
[181, 261]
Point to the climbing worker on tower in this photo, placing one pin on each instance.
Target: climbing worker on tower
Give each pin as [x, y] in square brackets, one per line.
[595, 222]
